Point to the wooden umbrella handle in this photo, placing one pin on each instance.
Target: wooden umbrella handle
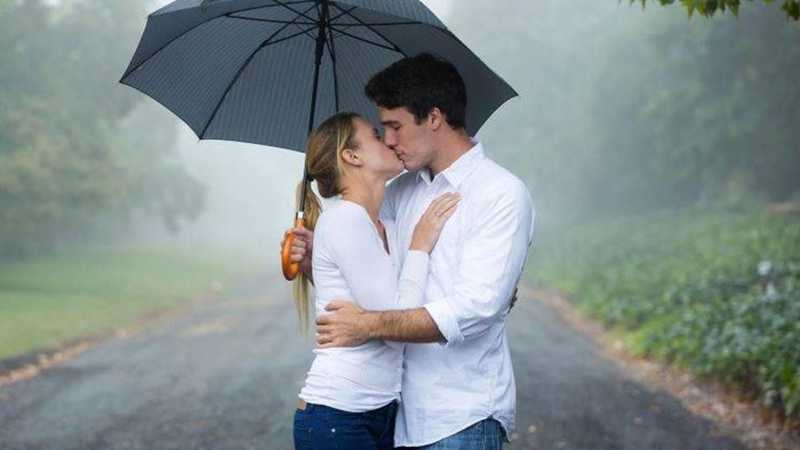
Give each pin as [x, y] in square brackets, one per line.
[290, 269]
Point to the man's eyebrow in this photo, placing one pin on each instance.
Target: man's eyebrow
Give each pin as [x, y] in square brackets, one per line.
[390, 122]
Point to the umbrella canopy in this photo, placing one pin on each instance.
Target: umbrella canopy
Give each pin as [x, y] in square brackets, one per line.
[268, 71]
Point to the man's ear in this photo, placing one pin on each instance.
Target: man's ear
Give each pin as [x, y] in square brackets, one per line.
[435, 118]
[351, 157]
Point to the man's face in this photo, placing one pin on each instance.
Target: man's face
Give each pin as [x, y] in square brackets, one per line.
[411, 142]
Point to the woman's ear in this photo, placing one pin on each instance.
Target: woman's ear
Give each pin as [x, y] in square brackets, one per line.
[351, 157]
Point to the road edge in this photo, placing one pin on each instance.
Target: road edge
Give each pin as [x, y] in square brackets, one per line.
[756, 426]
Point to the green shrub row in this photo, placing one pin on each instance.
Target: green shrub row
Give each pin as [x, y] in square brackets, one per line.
[718, 293]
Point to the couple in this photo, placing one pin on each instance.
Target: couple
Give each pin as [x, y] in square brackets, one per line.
[413, 280]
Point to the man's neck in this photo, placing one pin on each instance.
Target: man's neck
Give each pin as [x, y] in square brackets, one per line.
[451, 148]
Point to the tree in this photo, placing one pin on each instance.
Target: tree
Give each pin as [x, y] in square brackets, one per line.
[708, 8]
[66, 152]
[623, 111]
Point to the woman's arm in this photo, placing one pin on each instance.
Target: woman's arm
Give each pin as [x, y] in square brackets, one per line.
[414, 276]
[413, 323]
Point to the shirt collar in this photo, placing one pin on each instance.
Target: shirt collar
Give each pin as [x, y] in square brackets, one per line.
[459, 169]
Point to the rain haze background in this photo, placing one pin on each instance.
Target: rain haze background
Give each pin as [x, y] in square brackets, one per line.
[660, 150]
[590, 75]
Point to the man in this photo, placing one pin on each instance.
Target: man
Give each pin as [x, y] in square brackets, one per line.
[458, 385]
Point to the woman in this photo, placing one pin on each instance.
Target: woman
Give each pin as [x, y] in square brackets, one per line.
[349, 399]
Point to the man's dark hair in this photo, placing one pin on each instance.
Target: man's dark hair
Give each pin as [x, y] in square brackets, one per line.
[421, 83]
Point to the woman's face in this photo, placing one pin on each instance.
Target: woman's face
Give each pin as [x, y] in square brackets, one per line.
[377, 157]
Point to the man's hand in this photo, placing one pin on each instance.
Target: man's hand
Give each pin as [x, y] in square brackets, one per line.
[302, 246]
[346, 325]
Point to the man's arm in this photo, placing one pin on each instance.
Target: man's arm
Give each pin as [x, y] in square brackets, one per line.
[410, 325]
[349, 325]
[491, 263]
[354, 325]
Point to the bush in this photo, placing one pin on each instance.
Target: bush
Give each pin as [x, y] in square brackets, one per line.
[718, 293]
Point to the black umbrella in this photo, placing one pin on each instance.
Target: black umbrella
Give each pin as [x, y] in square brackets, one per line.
[268, 71]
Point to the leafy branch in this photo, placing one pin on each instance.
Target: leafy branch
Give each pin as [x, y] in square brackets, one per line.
[708, 8]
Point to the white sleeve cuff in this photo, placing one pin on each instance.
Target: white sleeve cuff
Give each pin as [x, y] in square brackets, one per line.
[445, 319]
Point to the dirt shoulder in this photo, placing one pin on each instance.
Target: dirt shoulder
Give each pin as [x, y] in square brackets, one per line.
[760, 428]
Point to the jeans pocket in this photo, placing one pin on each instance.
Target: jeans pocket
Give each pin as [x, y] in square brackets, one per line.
[301, 431]
[343, 430]
[386, 437]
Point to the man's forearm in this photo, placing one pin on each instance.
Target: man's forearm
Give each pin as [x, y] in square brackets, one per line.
[409, 325]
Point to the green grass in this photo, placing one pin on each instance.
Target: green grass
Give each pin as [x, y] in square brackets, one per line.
[684, 288]
[48, 301]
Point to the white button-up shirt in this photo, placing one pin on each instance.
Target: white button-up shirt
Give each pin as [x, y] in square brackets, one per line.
[474, 269]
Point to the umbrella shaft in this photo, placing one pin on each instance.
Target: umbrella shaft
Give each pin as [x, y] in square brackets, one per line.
[323, 23]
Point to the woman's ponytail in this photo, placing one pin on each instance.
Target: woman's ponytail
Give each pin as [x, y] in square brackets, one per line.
[323, 150]
[302, 282]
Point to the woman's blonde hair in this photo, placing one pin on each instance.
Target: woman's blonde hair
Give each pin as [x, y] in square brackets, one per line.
[323, 165]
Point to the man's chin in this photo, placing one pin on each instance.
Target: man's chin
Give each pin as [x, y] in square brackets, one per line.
[410, 167]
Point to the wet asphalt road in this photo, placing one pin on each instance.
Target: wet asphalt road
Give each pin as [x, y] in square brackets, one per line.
[225, 376]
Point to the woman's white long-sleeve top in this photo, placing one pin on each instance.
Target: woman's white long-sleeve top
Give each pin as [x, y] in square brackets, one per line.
[350, 261]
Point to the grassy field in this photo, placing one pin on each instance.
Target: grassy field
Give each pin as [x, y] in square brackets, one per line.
[47, 301]
[717, 293]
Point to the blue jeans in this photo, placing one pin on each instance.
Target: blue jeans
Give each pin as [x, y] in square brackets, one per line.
[487, 434]
[320, 427]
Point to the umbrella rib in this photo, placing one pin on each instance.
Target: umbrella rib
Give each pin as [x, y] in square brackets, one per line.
[349, 14]
[132, 69]
[286, 5]
[266, 43]
[332, 53]
[358, 38]
[378, 24]
[343, 12]
[274, 5]
[257, 19]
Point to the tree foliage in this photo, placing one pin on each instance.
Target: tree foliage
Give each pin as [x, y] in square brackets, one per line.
[68, 152]
[708, 8]
[709, 118]
[626, 111]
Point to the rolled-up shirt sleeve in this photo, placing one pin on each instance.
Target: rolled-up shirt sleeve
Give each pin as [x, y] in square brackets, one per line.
[492, 258]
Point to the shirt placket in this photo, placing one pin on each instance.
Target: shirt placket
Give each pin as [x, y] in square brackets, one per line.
[430, 192]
